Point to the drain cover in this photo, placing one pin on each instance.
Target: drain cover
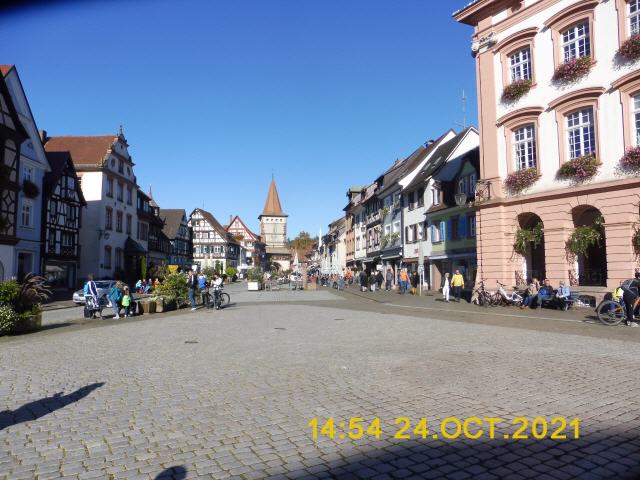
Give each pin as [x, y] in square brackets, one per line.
[279, 328]
[191, 341]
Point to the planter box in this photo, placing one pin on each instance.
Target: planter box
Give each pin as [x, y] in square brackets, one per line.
[148, 307]
[254, 286]
[29, 324]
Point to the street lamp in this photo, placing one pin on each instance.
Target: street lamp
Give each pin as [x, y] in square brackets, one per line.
[461, 199]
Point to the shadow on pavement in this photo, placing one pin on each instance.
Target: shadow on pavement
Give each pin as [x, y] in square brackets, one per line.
[592, 457]
[172, 473]
[44, 406]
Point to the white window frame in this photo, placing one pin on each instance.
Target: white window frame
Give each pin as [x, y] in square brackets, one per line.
[520, 64]
[387, 229]
[634, 17]
[27, 209]
[27, 173]
[576, 41]
[396, 226]
[581, 134]
[524, 147]
[435, 196]
[420, 231]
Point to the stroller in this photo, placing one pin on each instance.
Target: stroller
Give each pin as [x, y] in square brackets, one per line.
[93, 306]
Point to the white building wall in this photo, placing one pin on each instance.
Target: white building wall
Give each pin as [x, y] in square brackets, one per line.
[603, 73]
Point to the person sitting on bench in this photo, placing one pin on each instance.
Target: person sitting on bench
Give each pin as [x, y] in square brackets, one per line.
[562, 296]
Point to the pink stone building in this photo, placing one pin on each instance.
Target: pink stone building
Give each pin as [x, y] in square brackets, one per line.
[555, 96]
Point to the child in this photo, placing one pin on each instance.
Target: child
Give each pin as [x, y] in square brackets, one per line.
[126, 301]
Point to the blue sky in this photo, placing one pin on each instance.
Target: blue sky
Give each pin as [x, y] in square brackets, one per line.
[215, 96]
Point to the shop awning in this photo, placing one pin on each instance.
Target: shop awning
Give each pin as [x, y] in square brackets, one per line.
[132, 247]
[452, 256]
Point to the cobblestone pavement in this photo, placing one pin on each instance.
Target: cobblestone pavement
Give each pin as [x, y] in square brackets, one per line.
[229, 394]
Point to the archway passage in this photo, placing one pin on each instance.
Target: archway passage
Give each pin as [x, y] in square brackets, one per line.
[534, 260]
[592, 266]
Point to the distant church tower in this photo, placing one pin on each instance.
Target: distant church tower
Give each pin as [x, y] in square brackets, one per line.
[273, 229]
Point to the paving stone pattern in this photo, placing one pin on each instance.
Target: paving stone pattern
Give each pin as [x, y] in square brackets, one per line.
[229, 394]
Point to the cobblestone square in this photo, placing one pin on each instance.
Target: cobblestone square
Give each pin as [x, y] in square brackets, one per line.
[229, 394]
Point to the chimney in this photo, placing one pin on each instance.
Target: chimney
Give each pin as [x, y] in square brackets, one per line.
[43, 136]
[230, 218]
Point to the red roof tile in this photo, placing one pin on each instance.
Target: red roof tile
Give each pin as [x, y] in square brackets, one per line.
[84, 150]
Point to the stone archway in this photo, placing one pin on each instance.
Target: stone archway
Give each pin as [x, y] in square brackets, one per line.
[591, 267]
[534, 260]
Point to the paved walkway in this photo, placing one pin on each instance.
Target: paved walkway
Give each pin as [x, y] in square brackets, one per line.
[229, 394]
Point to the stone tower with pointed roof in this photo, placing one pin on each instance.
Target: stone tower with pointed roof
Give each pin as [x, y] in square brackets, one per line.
[273, 229]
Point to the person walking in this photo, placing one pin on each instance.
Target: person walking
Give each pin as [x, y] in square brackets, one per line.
[457, 282]
[363, 281]
[115, 297]
[372, 282]
[379, 279]
[404, 281]
[445, 285]
[192, 282]
[388, 280]
[415, 279]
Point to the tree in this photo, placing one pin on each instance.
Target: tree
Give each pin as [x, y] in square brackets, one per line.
[302, 242]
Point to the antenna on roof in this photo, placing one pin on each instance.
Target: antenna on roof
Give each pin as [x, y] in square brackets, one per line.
[464, 111]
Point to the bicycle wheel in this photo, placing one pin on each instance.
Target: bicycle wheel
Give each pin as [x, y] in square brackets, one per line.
[225, 299]
[496, 299]
[611, 313]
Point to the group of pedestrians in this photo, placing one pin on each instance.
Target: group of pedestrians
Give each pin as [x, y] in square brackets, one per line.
[374, 281]
[452, 285]
[119, 298]
[205, 285]
[146, 286]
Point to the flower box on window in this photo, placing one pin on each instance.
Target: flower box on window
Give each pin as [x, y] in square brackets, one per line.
[520, 180]
[573, 70]
[630, 50]
[630, 162]
[579, 169]
[516, 90]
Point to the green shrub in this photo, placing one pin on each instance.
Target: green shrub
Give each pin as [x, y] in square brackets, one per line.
[8, 319]
[231, 271]
[254, 275]
[9, 292]
[173, 288]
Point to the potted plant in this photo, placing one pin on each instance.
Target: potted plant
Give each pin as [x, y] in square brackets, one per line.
[635, 241]
[630, 161]
[172, 290]
[30, 189]
[580, 169]
[629, 51]
[520, 180]
[573, 70]
[516, 90]
[148, 305]
[26, 302]
[254, 277]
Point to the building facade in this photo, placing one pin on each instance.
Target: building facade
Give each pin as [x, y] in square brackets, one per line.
[109, 187]
[12, 136]
[213, 246]
[33, 166]
[176, 229]
[61, 222]
[252, 249]
[559, 105]
[273, 231]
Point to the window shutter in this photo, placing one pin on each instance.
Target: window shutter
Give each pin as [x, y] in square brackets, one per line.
[463, 226]
[433, 233]
[444, 233]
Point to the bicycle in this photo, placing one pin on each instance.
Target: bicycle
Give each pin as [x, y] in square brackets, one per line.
[483, 297]
[219, 299]
[501, 296]
[612, 313]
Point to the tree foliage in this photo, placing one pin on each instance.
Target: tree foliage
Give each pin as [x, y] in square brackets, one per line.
[303, 241]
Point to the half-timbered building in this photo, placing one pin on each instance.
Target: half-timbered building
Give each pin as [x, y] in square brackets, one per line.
[61, 222]
[177, 230]
[158, 244]
[33, 166]
[213, 246]
[12, 134]
[252, 249]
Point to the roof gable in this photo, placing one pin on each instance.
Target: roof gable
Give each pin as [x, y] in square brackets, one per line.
[238, 223]
[173, 218]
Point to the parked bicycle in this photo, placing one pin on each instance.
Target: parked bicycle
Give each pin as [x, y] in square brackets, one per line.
[481, 296]
[503, 297]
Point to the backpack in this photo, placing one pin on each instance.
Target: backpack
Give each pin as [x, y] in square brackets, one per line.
[629, 285]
